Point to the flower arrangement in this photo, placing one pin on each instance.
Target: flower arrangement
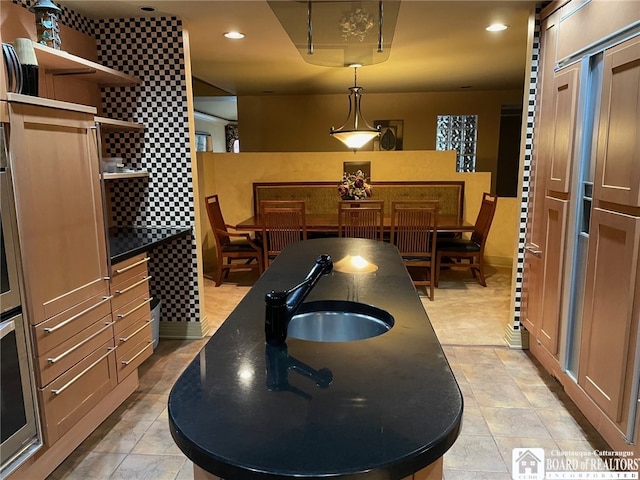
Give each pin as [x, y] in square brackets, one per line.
[354, 187]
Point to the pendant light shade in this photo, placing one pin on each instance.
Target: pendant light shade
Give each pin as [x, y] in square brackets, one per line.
[355, 132]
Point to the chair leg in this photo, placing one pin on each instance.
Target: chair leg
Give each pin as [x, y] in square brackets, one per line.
[438, 261]
[219, 273]
[431, 282]
[483, 282]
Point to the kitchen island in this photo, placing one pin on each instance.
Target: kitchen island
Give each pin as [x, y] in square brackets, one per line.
[385, 407]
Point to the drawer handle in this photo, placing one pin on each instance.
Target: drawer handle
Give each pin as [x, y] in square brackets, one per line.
[76, 316]
[58, 391]
[127, 362]
[123, 339]
[130, 287]
[62, 355]
[133, 265]
[146, 300]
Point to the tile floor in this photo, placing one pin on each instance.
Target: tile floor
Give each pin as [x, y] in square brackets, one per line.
[509, 400]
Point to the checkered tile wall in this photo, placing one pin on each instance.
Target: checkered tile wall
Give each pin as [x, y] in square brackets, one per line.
[526, 175]
[152, 50]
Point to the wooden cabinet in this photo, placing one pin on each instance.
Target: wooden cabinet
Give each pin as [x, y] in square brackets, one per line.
[83, 371]
[618, 150]
[608, 344]
[541, 153]
[71, 396]
[62, 238]
[581, 298]
[565, 105]
[554, 249]
[59, 208]
[132, 314]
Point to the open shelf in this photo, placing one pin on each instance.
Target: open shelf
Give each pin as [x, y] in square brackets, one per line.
[58, 62]
[117, 175]
[112, 125]
[47, 102]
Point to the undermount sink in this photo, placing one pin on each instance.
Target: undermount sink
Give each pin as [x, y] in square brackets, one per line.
[338, 321]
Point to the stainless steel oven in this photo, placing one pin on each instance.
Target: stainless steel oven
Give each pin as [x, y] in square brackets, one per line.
[19, 427]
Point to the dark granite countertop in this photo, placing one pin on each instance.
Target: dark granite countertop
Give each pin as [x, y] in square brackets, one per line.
[392, 408]
[126, 242]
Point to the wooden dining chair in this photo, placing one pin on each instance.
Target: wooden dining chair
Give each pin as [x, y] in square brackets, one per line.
[414, 226]
[471, 249]
[283, 222]
[230, 245]
[361, 219]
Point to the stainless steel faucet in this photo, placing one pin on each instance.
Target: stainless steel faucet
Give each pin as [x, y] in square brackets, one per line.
[282, 306]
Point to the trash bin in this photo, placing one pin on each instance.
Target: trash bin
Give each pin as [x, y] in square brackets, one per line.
[155, 321]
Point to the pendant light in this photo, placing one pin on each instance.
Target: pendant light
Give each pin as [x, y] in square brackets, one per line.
[355, 132]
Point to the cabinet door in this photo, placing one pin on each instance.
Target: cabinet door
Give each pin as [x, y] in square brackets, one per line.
[618, 151]
[551, 320]
[542, 136]
[565, 91]
[59, 208]
[609, 325]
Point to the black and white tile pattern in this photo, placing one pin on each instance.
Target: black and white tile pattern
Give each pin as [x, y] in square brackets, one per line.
[526, 176]
[152, 50]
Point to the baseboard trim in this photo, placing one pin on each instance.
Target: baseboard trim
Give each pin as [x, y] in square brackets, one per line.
[185, 330]
[516, 339]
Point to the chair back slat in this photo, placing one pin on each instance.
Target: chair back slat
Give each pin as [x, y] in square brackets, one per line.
[484, 218]
[414, 226]
[216, 220]
[243, 247]
[470, 252]
[283, 222]
[361, 219]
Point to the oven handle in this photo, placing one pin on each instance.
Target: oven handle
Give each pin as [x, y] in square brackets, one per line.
[6, 328]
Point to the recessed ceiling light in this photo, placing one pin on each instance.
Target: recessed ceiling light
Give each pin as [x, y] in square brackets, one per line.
[496, 27]
[148, 9]
[234, 35]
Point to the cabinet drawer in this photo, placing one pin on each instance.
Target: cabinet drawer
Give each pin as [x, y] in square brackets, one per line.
[127, 291]
[128, 269]
[131, 313]
[131, 357]
[54, 331]
[67, 354]
[72, 395]
[133, 335]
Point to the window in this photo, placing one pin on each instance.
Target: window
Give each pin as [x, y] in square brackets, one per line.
[459, 133]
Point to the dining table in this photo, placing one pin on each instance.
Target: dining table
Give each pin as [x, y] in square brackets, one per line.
[327, 223]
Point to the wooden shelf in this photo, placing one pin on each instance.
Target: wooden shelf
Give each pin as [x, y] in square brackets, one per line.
[47, 102]
[58, 62]
[112, 125]
[117, 175]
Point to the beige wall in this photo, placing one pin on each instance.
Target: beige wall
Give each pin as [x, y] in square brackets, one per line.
[231, 176]
[297, 123]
